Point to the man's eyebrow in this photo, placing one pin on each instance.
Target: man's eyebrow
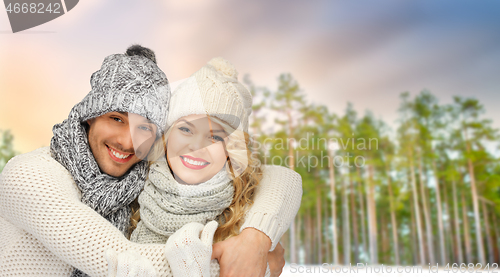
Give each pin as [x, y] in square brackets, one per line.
[147, 119]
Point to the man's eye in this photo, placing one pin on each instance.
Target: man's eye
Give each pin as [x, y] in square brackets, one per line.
[117, 119]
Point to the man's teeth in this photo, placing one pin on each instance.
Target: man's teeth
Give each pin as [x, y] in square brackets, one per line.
[118, 155]
[189, 161]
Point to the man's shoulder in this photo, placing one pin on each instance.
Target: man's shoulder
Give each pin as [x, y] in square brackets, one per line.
[277, 170]
[36, 170]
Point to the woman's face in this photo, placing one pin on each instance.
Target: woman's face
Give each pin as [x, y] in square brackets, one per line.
[196, 149]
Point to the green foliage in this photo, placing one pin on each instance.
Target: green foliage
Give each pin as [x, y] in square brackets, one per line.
[438, 139]
[6, 148]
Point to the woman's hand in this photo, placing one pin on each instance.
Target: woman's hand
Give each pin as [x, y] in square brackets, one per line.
[188, 250]
[128, 264]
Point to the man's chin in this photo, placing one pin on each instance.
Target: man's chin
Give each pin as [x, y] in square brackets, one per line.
[115, 171]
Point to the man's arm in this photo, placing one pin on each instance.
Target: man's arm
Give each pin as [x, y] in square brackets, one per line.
[276, 203]
[38, 195]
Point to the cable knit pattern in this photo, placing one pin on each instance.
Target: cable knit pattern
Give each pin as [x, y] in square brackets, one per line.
[166, 205]
[46, 230]
[213, 90]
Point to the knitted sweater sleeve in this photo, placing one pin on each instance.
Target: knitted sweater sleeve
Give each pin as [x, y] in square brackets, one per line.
[276, 202]
[38, 195]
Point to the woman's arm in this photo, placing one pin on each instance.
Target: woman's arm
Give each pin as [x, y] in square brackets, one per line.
[38, 195]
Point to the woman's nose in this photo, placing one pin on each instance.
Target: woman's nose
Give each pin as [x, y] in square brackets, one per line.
[198, 142]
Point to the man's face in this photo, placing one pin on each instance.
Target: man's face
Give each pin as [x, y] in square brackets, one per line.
[120, 140]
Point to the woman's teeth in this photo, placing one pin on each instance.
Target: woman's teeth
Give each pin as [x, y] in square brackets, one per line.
[193, 162]
[118, 155]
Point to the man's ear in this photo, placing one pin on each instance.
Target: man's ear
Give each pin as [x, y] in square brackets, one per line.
[89, 121]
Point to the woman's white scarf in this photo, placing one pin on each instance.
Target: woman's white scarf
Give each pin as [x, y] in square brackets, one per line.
[166, 205]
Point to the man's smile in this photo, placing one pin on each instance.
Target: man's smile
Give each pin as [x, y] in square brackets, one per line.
[119, 156]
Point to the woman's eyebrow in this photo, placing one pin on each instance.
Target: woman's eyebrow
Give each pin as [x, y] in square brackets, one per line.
[187, 122]
[219, 131]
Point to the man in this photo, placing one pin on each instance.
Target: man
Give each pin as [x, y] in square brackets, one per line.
[97, 163]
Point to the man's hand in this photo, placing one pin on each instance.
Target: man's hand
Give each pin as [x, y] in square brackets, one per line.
[276, 260]
[243, 255]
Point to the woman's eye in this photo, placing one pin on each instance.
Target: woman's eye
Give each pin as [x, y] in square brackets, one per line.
[184, 129]
[217, 138]
[145, 128]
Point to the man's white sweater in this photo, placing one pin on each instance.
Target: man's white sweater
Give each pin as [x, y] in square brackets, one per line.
[46, 230]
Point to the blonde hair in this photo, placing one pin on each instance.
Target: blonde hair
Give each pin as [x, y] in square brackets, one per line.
[245, 172]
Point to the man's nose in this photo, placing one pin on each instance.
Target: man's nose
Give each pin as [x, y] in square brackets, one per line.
[125, 141]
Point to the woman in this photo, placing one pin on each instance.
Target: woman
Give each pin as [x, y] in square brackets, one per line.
[209, 173]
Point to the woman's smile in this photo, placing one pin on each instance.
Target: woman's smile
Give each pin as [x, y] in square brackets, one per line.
[193, 163]
[196, 149]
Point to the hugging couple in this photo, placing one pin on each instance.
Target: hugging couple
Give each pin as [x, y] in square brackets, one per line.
[142, 181]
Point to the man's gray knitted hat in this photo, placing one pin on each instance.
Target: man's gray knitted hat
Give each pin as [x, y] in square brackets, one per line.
[130, 82]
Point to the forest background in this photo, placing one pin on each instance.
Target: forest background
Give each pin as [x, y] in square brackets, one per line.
[388, 110]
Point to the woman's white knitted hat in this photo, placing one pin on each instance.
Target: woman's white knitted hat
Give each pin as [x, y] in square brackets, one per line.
[213, 90]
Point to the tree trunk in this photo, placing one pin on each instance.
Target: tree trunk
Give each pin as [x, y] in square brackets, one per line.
[467, 240]
[442, 247]
[345, 225]
[300, 230]
[497, 238]
[318, 219]
[393, 220]
[354, 219]
[335, 247]
[427, 216]
[450, 253]
[307, 238]
[362, 211]
[488, 232]
[417, 211]
[293, 253]
[475, 204]
[372, 216]
[414, 235]
[326, 244]
[457, 226]
[385, 239]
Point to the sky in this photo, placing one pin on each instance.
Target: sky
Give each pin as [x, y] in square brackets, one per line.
[358, 51]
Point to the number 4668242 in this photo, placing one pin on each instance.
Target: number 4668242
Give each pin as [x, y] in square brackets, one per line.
[33, 8]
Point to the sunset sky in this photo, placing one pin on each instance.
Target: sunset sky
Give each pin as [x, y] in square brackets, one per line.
[364, 52]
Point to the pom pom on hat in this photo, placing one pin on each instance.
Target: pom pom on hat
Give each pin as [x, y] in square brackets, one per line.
[225, 67]
[138, 50]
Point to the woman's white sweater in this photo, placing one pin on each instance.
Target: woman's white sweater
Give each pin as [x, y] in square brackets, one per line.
[46, 230]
